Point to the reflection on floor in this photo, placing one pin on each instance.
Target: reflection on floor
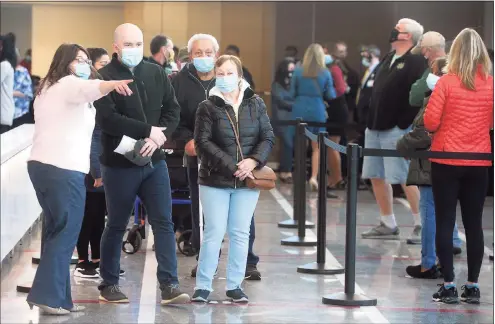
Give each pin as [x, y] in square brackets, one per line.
[283, 295]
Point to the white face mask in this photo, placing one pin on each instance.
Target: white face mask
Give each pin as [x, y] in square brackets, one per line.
[432, 80]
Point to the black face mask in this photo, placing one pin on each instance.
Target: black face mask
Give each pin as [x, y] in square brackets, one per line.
[394, 35]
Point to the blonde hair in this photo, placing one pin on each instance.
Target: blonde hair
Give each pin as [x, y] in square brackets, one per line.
[234, 59]
[467, 55]
[313, 61]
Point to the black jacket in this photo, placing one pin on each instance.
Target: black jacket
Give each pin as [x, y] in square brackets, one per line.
[389, 104]
[363, 102]
[152, 103]
[189, 92]
[215, 140]
[417, 140]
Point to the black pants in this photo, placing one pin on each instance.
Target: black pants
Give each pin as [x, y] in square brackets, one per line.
[92, 226]
[467, 185]
[192, 175]
[4, 128]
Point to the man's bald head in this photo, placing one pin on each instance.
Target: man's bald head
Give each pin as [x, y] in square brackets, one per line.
[129, 38]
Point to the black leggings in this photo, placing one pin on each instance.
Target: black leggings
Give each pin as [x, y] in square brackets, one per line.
[468, 185]
[92, 226]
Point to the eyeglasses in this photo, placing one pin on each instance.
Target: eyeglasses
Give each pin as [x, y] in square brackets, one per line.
[82, 60]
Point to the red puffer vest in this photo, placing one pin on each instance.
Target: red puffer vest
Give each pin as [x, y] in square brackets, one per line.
[461, 119]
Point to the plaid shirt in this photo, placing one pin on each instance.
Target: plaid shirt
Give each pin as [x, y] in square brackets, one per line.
[23, 84]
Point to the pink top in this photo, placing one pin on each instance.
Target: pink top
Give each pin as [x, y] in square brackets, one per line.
[64, 121]
[338, 80]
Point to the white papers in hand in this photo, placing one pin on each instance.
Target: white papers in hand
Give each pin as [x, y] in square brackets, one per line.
[126, 145]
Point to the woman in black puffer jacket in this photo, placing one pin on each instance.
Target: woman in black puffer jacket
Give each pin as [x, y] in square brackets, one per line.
[227, 202]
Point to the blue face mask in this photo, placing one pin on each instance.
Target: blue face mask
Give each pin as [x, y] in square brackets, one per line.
[204, 64]
[82, 70]
[227, 84]
[432, 80]
[328, 59]
[131, 57]
[365, 62]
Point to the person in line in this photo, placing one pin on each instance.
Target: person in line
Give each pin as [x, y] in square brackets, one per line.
[351, 77]
[234, 50]
[232, 110]
[337, 114]
[282, 110]
[460, 115]
[192, 86]
[183, 58]
[23, 94]
[95, 207]
[420, 175]
[291, 53]
[162, 53]
[431, 46]
[63, 106]
[8, 62]
[389, 117]
[311, 85]
[26, 62]
[150, 114]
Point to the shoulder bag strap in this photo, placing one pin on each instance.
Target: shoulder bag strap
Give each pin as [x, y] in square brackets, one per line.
[236, 134]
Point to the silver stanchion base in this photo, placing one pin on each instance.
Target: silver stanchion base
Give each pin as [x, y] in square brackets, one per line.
[320, 268]
[25, 287]
[36, 259]
[299, 241]
[343, 299]
[290, 223]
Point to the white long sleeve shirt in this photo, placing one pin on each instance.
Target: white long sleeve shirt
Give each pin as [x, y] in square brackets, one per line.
[64, 121]
[7, 106]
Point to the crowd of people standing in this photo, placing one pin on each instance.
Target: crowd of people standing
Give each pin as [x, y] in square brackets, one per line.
[417, 97]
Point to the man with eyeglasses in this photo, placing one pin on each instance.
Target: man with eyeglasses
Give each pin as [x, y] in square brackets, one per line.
[192, 85]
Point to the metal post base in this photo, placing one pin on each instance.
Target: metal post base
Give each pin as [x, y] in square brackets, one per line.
[25, 287]
[36, 259]
[298, 241]
[353, 300]
[290, 223]
[320, 268]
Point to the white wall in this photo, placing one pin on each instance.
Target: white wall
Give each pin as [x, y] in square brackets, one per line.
[16, 18]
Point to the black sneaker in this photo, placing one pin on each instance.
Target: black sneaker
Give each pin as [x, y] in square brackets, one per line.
[456, 250]
[112, 294]
[446, 296]
[173, 295]
[415, 272]
[200, 296]
[97, 268]
[470, 295]
[252, 273]
[490, 257]
[85, 269]
[237, 296]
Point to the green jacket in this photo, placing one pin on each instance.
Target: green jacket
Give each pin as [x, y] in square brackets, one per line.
[418, 90]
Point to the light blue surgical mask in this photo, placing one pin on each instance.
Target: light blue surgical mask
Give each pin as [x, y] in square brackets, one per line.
[365, 62]
[432, 80]
[328, 59]
[82, 70]
[227, 84]
[132, 56]
[204, 64]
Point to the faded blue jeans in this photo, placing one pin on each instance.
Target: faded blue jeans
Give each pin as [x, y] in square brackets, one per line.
[231, 211]
[427, 212]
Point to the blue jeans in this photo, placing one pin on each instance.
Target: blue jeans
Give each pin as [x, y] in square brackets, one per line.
[152, 186]
[61, 194]
[231, 211]
[427, 212]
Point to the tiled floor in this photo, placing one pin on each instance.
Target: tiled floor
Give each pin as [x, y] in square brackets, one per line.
[283, 296]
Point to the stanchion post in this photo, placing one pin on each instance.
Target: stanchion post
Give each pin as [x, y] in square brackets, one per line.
[349, 297]
[320, 266]
[300, 192]
[299, 140]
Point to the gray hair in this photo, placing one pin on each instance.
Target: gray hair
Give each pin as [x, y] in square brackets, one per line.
[374, 50]
[413, 27]
[197, 37]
